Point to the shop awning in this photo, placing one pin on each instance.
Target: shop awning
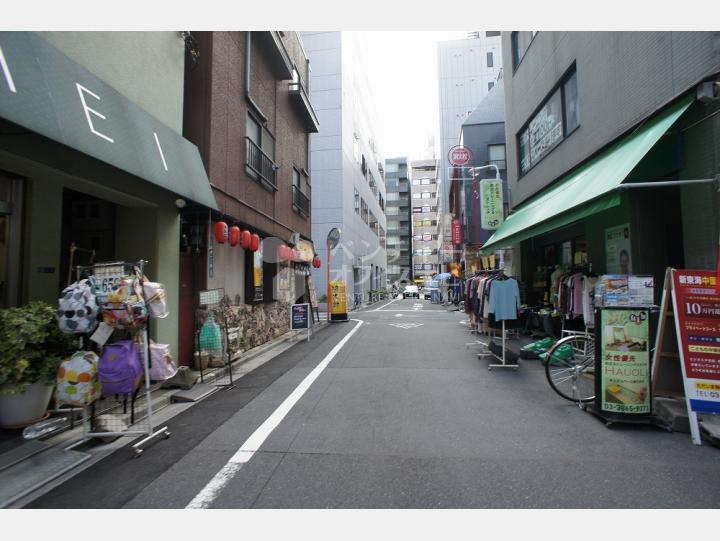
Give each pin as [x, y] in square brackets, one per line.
[589, 189]
[46, 92]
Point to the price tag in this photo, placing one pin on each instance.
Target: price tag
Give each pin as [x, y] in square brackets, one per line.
[102, 334]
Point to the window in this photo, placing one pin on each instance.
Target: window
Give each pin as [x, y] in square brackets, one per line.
[416, 195]
[520, 42]
[301, 202]
[356, 150]
[496, 156]
[259, 153]
[391, 167]
[492, 33]
[556, 118]
[364, 211]
[490, 85]
[357, 202]
[489, 59]
[392, 196]
[363, 165]
[416, 181]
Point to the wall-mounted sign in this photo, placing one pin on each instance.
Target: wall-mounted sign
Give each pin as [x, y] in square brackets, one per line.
[456, 233]
[618, 250]
[459, 155]
[258, 273]
[491, 204]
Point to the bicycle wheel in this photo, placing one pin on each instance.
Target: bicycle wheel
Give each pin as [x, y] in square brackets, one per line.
[570, 368]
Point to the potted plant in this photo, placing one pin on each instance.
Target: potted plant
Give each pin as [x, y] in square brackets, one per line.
[31, 350]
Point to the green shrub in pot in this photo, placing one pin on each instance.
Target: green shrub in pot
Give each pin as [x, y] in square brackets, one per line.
[31, 346]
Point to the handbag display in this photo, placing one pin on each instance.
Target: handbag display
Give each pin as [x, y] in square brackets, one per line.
[120, 369]
[155, 299]
[77, 379]
[125, 307]
[77, 308]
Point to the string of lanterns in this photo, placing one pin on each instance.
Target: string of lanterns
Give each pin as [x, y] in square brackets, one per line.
[251, 241]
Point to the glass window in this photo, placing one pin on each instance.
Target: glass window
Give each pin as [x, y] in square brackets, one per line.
[268, 144]
[356, 150]
[426, 195]
[489, 59]
[253, 130]
[416, 182]
[416, 195]
[491, 84]
[496, 155]
[392, 196]
[570, 96]
[357, 202]
[391, 167]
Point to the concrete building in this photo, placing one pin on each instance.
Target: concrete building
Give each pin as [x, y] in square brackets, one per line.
[597, 124]
[467, 70]
[426, 221]
[93, 165]
[399, 217]
[248, 110]
[346, 165]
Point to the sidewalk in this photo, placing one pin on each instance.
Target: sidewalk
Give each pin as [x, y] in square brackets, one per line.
[30, 468]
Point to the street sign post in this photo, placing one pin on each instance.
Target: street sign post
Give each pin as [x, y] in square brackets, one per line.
[459, 155]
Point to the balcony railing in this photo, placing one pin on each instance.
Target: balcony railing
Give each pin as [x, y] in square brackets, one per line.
[301, 101]
[499, 163]
[301, 203]
[259, 165]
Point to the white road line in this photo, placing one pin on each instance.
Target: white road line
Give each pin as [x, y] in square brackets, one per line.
[246, 451]
[388, 304]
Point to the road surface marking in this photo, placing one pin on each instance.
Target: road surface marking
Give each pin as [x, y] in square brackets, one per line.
[398, 315]
[405, 326]
[388, 304]
[246, 451]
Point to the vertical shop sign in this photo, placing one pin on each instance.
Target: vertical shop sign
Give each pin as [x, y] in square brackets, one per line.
[491, 204]
[618, 250]
[625, 361]
[456, 236]
[258, 273]
[338, 302]
[697, 320]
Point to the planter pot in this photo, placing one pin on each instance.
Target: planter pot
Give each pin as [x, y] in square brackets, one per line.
[20, 410]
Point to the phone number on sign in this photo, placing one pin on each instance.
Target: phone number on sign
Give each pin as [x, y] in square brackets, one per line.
[624, 408]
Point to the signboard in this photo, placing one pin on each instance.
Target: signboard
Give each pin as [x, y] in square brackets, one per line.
[617, 250]
[427, 236]
[338, 301]
[459, 155]
[107, 277]
[697, 321]
[423, 266]
[258, 273]
[491, 204]
[299, 317]
[622, 290]
[624, 361]
[307, 251]
[456, 233]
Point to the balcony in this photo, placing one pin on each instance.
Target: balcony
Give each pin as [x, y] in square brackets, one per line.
[302, 105]
[259, 165]
[271, 44]
[301, 203]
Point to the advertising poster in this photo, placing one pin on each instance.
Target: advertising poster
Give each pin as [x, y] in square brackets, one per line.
[697, 320]
[299, 317]
[625, 361]
[491, 204]
[338, 306]
[258, 273]
[617, 250]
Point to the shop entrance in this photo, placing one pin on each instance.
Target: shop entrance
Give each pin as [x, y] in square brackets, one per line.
[88, 225]
[10, 216]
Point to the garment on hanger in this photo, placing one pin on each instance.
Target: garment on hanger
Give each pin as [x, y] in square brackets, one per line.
[504, 299]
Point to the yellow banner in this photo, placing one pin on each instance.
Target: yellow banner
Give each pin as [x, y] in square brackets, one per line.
[339, 299]
[485, 262]
[492, 261]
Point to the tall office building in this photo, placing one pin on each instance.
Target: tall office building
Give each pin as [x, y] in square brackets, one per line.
[346, 165]
[426, 222]
[467, 70]
[398, 215]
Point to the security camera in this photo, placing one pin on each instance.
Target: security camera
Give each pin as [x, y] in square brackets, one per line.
[180, 203]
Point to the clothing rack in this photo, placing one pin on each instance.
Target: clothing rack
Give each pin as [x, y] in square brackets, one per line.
[106, 275]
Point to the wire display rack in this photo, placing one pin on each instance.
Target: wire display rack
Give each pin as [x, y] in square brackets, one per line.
[122, 414]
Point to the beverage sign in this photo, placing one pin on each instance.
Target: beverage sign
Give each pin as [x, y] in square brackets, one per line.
[299, 317]
[491, 204]
[338, 301]
[459, 155]
[625, 361]
[456, 234]
[697, 323]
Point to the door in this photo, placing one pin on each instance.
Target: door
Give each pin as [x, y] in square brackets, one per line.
[188, 304]
[10, 219]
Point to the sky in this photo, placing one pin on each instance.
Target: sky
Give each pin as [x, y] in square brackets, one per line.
[405, 92]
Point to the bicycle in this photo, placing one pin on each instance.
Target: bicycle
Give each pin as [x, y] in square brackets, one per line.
[358, 301]
[570, 367]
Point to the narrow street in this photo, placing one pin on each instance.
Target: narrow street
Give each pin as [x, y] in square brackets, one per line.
[403, 416]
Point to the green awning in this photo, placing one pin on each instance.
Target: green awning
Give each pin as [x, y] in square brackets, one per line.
[587, 190]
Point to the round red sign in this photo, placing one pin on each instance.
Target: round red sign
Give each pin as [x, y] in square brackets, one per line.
[459, 155]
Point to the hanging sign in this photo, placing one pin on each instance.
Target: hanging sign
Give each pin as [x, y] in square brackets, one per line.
[491, 204]
[459, 155]
[258, 273]
[307, 251]
[624, 361]
[456, 233]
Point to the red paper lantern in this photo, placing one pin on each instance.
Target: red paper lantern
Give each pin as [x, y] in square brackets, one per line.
[316, 262]
[245, 239]
[234, 235]
[221, 232]
[255, 242]
[283, 252]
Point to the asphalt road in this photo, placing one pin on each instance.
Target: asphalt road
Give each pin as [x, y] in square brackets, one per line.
[403, 416]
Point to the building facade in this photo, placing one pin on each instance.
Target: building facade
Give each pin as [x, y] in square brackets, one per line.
[93, 165]
[346, 165]
[426, 219]
[603, 131]
[467, 70]
[399, 217]
[247, 108]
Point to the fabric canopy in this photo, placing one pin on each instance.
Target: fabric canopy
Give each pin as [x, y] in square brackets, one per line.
[587, 190]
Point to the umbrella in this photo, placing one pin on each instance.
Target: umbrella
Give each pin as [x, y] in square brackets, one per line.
[442, 276]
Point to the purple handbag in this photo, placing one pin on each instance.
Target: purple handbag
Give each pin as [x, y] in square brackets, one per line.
[120, 369]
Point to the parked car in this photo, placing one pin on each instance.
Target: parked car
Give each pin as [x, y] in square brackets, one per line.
[411, 291]
[429, 287]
